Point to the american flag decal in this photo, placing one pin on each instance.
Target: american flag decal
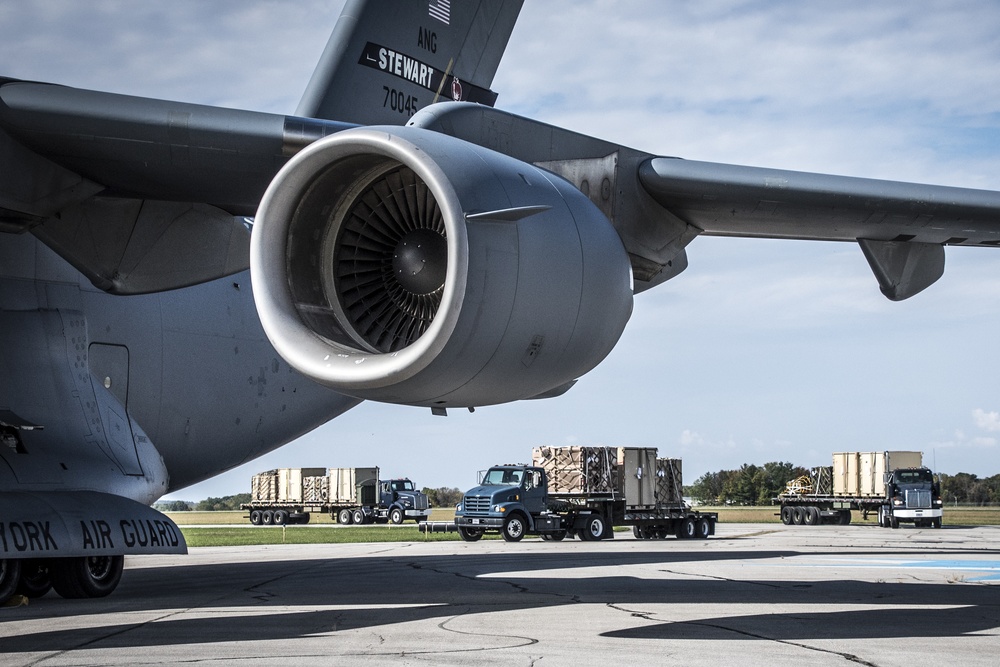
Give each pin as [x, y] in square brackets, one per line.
[440, 10]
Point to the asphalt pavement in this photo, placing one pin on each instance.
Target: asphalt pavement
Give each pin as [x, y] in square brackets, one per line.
[763, 594]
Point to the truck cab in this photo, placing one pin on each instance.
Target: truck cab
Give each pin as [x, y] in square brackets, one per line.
[914, 496]
[511, 499]
[400, 500]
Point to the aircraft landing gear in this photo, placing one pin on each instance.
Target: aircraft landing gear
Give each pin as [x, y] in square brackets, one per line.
[87, 576]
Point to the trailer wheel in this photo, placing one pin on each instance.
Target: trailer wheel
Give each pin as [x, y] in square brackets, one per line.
[396, 515]
[593, 528]
[267, 517]
[786, 515]
[558, 536]
[255, 517]
[845, 517]
[686, 529]
[810, 516]
[280, 517]
[798, 516]
[87, 576]
[344, 517]
[470, 534]
[703, 528]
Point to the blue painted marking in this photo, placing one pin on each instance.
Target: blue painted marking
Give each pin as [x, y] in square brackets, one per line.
[990, 568]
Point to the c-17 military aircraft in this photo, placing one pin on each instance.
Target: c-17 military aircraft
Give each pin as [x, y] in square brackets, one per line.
[185, 287]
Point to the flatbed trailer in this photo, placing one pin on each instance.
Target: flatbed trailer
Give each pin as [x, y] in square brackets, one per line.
[517, 500]
[891, 485]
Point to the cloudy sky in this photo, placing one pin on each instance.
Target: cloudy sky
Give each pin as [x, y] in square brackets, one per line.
[761, 350]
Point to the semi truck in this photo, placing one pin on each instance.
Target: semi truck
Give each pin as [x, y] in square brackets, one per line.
[584, 492]
[349, 495]
[894, 485]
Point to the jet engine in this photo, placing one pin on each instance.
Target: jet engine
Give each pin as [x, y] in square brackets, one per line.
[402, 265]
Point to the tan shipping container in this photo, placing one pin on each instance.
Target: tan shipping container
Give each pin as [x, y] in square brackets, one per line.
[862, 474]
[344, 485]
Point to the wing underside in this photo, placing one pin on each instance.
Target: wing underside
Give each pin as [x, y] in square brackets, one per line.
[902, 228]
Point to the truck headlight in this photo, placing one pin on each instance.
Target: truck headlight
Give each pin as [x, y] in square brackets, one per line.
[458, 507]
[897, 502]
[499, 508]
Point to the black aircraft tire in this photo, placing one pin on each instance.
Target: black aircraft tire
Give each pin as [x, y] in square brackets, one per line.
[36, 580]
[10, 575]
[86, 576]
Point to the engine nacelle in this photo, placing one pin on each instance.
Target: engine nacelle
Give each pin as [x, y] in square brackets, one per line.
[401, 265]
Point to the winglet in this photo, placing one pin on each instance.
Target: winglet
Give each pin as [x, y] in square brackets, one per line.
[387, 59]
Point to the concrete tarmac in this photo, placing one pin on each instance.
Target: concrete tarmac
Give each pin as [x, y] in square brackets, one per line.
[753, 595]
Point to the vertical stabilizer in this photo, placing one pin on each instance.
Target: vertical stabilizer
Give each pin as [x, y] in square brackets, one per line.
[387, 59]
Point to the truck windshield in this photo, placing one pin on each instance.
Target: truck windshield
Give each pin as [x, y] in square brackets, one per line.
[913, 476]
[402, 485]
[503, 477]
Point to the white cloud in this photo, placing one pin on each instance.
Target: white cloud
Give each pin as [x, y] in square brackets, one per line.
[988, 421]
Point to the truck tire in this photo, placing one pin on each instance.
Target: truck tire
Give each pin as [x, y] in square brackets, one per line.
[255, 517]
[396, 515]
[267, 517]
[810, 516]
[686, 529]
[470, 534]
[786, 514]
[703, 528]
[344, 517]
[280, 517]
[594, 527]
[358, 517]
[797, 516]
[937, 522]
[845, 517]
[558, 536]
[514, 527]
[893, 522]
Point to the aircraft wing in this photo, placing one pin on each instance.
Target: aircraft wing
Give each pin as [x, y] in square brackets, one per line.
[901, 227]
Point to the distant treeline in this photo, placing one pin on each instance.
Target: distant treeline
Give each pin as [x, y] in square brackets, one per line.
[750, 485]
[442, 497]
[967, 489]
[206, 505]
[757, 485]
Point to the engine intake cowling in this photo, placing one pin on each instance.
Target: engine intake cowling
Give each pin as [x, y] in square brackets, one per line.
[406, 266]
